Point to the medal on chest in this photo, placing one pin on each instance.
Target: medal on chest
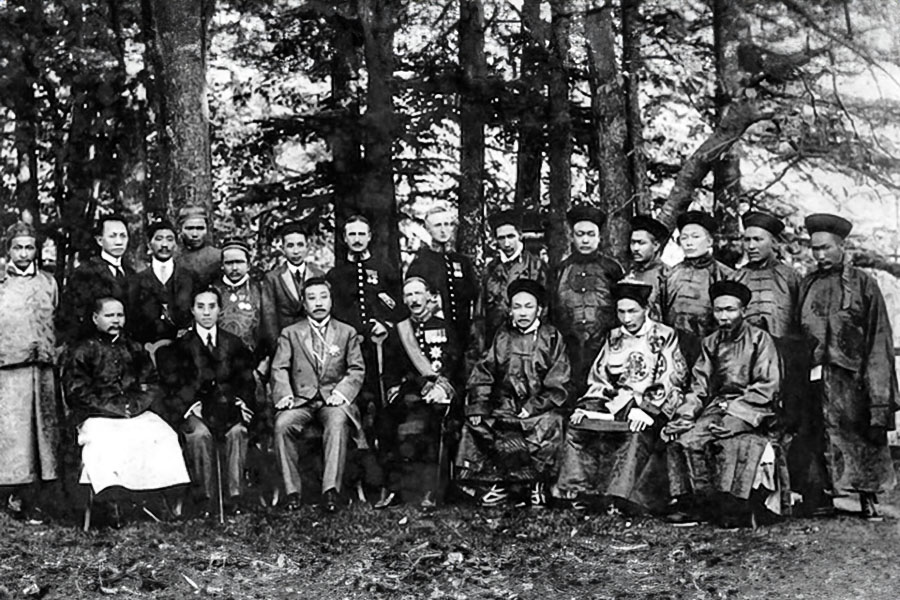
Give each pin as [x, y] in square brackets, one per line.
[371, 277]
[457, 270]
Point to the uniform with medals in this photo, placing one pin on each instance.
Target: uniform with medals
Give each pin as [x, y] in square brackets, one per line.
[422, 388]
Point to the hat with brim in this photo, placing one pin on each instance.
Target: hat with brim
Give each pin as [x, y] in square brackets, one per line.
[764, 221]
[529, 286]
[505, 217]
[577, 214]
[818, 222]
[730, 288]
[655, 228]
[697, 217]
[633, 290]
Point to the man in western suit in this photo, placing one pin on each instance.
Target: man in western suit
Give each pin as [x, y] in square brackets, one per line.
[159, 297]
[317, 372]
[282, 286]
[211, 393]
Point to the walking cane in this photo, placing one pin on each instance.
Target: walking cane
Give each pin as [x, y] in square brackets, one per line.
[219, 487]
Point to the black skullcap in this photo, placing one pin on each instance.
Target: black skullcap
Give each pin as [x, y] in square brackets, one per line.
[839, 226]
[655, 228]
[586, 213]
[505, 217]
[292, 227]
[152, 228]
[526, 285]
[633, 290]
[697, 217]
[236, 244]
[764, 221]
[730, 288]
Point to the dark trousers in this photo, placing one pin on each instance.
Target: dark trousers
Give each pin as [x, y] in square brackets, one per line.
[200, 449]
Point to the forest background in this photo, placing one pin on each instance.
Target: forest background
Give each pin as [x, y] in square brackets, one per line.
[268, 110]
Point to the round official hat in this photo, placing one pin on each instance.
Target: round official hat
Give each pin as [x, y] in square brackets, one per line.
[505, 217]
[577, 214]
[633, 290]
[529, 286]
[839, 226]
[763, 220]
[730, 288]
[655, 228]
[697, 217]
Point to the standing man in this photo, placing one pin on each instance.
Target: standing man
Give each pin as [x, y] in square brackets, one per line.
[648, 239]
[159, 297]
[197, 252]
[282, 287]
[422, 385]
[208, 376]
[102, 276]
[317, 373]
[451, 272]
[720, 436]
[364, 293]
[512, 262]
[583, 306]
[30, 416]
[241, 311]
[514, 408]
[844, 319]
[685, 300]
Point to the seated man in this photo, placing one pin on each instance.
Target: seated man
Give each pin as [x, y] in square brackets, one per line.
[516, 395]
[718, 436]
[110, 386]
[208, 376]
[317, 373]
[424, 357]
[634, 387]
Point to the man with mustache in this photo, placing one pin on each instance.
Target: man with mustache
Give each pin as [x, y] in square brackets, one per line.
[112, 392]
[514, 406]
[422, 388]
[845, 322]
[197, 254]
[159, 297]
[686, 305]
[636, 379]
[720, 444]
[317, 373]
[648, 238]
[583, 307]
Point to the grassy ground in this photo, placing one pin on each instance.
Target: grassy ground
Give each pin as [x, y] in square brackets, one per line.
[456, 552]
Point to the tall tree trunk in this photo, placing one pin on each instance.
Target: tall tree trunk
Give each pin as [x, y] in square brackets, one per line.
[26, 197]
[378, 19]
[473, 69]
[158, 154]
[727, 168]
[611, 131]
[529, 154]
[181, 28]
[631, 69]
[559, 145]
[344, 139]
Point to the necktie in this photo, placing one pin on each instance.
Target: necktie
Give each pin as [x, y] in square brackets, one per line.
[209, 342]
[298, 281]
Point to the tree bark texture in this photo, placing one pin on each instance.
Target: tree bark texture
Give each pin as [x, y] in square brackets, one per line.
[530, 133]
[559, 138]
[473, 69]
[24, 75]
[181, 35]
[631, 69]
[378, 19]
[610, 127]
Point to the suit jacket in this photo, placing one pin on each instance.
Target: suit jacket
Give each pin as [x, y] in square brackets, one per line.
[146, 296]
[89, 281]
[296, 372]
[281, 302]
[191, 373]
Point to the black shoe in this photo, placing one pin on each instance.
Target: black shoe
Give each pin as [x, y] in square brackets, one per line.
[386, 499]
[867, 501]
[331, 501]
[292, 502]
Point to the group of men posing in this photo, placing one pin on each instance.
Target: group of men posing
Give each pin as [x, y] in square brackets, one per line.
[661, 389]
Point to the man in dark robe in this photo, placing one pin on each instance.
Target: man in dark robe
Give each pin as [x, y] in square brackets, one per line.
[843, 316]
[512, 262]
[686, 305]
[208, 376]
[648, 239]
[105, 275]
[159, 297]
[612, 443]
[514, 409]
[582, 303]
[421, 388]
[451, 272]
[719, 437]
[197, 253]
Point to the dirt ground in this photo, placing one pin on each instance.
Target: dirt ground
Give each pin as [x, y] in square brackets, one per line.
[456, 552]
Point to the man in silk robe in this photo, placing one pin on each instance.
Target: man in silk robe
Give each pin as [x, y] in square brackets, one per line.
[648, 238]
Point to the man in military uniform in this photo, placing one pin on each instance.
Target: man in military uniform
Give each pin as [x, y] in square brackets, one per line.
[159, 297]
[583, 307]
[197, 252]
[648, 238]
[512, 262]
[451, 272]
[844, 319]
[772, 307]
[422, 385]
[105, 275]
[685, 302]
